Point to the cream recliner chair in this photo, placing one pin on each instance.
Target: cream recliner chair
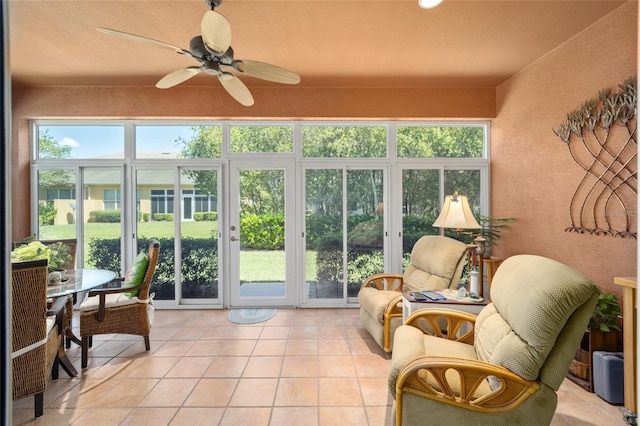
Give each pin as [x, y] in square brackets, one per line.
[503, 366]
[436, 263]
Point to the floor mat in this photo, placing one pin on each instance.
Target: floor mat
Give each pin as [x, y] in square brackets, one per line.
[251, 315]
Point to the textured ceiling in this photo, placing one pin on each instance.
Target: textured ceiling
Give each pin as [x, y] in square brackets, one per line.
[391, 43]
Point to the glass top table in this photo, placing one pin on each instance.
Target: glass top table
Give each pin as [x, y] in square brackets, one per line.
[78, 280]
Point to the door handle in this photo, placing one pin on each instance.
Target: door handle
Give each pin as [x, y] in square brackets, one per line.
[234, 239]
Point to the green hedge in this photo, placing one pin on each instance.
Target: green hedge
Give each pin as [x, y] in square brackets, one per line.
[199, 265]
[262, 232]
[206, 216]
[159, 217]
[361, 264]
[104, 216]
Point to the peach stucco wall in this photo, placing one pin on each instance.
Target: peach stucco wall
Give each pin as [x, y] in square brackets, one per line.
[533, 176]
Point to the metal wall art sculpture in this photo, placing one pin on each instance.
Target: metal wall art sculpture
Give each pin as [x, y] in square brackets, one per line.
[601, 135]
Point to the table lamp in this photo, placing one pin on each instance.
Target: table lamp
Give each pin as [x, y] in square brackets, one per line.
[456, 214]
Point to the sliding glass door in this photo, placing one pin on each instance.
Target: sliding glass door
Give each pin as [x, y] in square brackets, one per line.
[345, 231]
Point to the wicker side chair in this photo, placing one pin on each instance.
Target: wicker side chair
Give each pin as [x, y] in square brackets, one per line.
[36, 337]
[72, 243]
[111, 310]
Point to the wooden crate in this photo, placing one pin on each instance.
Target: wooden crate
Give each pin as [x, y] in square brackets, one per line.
[580, 365]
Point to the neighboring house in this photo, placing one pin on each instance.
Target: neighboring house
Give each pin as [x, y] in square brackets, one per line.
[155, 194]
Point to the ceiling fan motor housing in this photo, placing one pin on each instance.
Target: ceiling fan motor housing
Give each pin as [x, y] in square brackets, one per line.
[197, 49]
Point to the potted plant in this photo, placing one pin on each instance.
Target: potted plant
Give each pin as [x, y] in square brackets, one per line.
[491, 231]
[58, 256]
[605, 315]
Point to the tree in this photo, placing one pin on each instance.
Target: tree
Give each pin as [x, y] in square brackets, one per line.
[49, 148]
[438, 142]
[261, 139]
[344, 142]
[206, 142]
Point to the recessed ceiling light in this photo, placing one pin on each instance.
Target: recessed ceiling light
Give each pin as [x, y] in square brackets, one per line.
[427, 4]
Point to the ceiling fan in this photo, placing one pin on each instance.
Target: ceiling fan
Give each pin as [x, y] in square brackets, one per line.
[213, 50]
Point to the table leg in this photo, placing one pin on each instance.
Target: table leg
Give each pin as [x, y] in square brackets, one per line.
[65, 362]
[68, 333]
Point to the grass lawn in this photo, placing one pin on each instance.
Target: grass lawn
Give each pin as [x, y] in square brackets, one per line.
[153, 229]
[268, 265]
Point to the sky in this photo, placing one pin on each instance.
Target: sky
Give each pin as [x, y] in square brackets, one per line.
[94, 141]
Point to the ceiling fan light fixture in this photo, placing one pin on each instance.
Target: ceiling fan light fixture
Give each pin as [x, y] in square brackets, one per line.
[428, 4]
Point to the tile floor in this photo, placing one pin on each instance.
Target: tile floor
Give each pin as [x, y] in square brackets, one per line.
[302, 367]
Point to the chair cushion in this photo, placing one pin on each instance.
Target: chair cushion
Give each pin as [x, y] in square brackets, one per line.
[533, 297]
[375, 301]
[51, 322]
[135, 274]
[434, 261]
[410, 343]
[118, 299]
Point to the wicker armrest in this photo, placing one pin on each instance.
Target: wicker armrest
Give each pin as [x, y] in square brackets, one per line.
[114, 283]
[445, 323]
[384, 282]
[102, 295]
[57, 306]
[428, 376]
[394, 308]
[113, 289]
[57, 309]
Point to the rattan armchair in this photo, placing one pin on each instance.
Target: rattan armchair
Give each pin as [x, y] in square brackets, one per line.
[503, 366]
[437, 263]
[111, 311]
[36, 337]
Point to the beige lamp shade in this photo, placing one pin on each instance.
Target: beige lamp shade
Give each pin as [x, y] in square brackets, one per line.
[456, 213]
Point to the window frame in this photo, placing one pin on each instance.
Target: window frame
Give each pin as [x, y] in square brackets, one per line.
[392, 163]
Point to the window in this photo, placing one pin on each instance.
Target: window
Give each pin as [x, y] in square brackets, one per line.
[261, 139]
[362, 193]
[174, 141]
[80, 141]
[111, 199]
[60, 194]
[161, 201]
[344, 141]
[204, 202]
[440, 141]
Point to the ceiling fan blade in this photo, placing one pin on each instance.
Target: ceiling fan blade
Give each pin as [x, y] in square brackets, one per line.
[177, 77]
[145, 40]
[216, 32]
[236, 88]
[266, 71]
